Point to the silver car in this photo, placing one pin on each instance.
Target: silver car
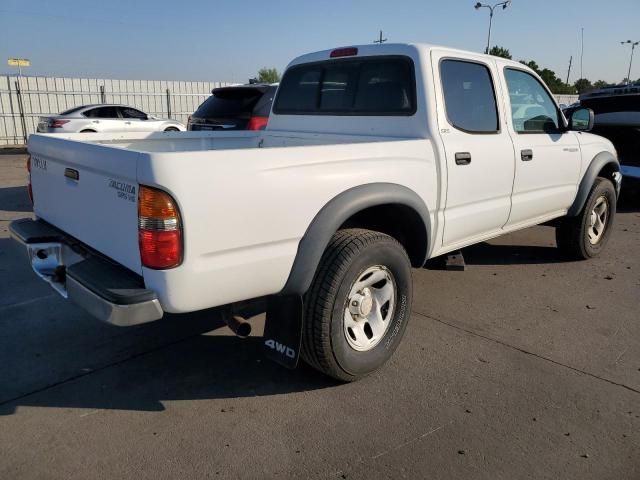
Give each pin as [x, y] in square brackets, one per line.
[106, 118]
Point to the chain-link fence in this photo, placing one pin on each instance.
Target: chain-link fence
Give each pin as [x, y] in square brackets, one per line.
[24, 99]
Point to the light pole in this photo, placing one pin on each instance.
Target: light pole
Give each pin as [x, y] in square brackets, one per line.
[633, 47]
[479, 5]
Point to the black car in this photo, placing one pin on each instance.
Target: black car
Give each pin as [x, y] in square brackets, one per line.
[243, 107]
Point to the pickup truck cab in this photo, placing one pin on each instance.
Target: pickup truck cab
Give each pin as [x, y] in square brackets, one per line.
[376, 158]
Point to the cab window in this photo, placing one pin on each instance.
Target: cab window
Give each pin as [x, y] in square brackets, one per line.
[469, 98]
[532, 108]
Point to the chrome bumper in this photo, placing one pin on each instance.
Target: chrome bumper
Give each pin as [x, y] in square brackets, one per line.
[107, 291]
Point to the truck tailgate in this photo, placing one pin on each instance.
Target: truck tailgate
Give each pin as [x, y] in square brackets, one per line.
[90, 192]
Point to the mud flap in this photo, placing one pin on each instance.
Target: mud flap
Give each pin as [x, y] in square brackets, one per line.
[283, 329]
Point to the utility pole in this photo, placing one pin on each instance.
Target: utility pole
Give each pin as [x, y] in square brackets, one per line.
[581, 51]
[491, 8]
[633, 47]
[569, 71]
[380, 40]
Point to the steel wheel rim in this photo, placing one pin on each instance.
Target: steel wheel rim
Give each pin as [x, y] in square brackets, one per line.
[598, 220]
[369, 308]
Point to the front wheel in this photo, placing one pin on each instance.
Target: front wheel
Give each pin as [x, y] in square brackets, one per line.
[358, 305]
[586, 235]
[171, 129]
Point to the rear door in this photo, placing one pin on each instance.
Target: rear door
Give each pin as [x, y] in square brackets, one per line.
[548, 159]
[479, 151]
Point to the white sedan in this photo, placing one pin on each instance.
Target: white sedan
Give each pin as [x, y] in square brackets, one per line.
[106, 118]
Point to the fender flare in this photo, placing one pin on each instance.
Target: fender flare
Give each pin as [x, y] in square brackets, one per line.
[334, 214]
[600, 161]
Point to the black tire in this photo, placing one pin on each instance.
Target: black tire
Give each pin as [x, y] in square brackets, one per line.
[572, 234]
[88, 131]
[350, 253]
[171, 129]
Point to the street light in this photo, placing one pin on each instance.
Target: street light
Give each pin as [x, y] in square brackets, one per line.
[479, 5]
[633, 46]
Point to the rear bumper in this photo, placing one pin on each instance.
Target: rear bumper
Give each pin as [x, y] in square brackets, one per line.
[106, 290]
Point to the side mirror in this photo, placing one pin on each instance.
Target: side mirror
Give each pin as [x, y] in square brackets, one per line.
[581, 120]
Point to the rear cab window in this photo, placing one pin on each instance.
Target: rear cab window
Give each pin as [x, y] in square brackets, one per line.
[72, 110]
[365, 86]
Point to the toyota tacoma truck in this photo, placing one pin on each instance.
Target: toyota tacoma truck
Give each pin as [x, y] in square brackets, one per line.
[376, 158]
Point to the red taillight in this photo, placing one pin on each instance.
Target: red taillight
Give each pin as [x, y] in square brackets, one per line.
[344, 52]
[29, 189]
[57, 123]
[257, 123]
[160, 249]
[159, 229]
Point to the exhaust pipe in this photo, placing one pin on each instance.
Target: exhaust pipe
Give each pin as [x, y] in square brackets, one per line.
[238, 325]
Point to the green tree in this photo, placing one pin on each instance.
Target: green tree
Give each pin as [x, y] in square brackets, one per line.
[582, 85]
[268, 75]
[600, 84]
[497, 51]
[532, 65]
[555, 84]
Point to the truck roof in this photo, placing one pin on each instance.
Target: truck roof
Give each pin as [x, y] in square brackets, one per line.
[409, 49]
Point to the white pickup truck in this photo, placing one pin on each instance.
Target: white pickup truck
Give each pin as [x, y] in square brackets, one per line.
[376, 158]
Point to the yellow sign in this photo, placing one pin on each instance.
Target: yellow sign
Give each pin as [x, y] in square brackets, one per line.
[19, 62]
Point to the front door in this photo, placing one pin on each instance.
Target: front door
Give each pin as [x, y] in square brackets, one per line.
[479, 151]
[548, 157]
[135, 120]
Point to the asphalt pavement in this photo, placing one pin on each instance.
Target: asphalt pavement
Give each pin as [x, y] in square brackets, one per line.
[524, 366]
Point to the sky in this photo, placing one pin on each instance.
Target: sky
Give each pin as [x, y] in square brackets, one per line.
[219, 40]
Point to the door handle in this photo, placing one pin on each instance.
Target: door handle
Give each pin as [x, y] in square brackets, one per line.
[128, 123]
[96, 121]
[463, 158]
[526, 155]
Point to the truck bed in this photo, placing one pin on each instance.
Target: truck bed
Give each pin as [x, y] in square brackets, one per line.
[245, 198]
[202, 141]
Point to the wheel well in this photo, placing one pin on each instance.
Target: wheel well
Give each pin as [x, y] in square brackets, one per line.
[399, 221]
[608, 170]
[88, 130]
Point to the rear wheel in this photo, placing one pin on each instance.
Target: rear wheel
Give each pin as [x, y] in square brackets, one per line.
[586, 235]
[87, 131]
[171, 129]
[358, 305]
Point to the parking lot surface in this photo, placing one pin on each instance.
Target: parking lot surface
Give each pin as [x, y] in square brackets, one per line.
[523, 366]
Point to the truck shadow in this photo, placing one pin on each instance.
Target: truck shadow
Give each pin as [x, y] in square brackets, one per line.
[15, 199]
[201, 367]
